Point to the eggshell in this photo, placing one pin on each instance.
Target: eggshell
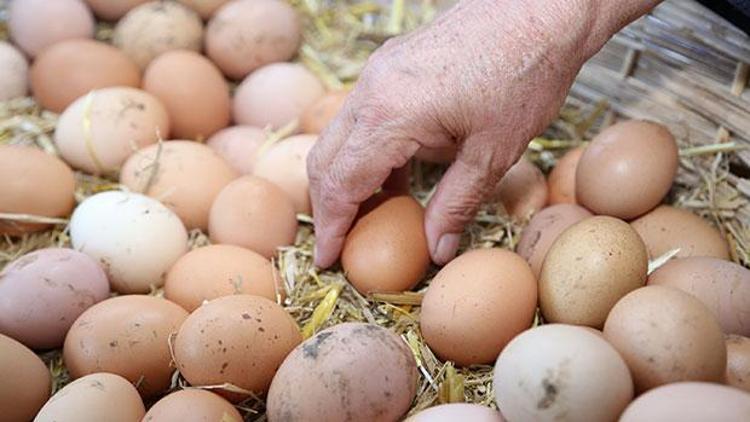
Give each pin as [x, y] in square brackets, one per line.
[112, 10]
[240, 339]
[45, 189]
[255, 214]
[37, 24]
[318, 115]
[192, 405]
[205, 8]
[667, 228]
[275, 95]
[188, 178]
[561, 372]
[285, 164]
[523, 190]
[238, 145]
[562, 178]
[244, 35]
[26, 381]
[136, 239]
[479, 286]
[666, 335]
[738, 362]
[457, 412]
[100, 130]
[14, 73]
[590, 267]
[543, 229]
[94, 398]
[156, 27]
[690, 402]
[193, 90]
[43, 292]
[346, 372]
[128, 336]
[386, 250]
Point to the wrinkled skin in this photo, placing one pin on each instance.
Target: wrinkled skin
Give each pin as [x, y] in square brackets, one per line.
[484, 78]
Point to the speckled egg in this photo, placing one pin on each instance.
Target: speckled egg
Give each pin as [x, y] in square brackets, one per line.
[562, 178]
[192, 404]
[285, 164]
[37, 24]
[523, 190]
[14, 73]
[238, 145]
[26, 383]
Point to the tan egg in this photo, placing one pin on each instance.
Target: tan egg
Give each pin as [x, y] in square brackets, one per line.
[112, 10]
[84, 65]
[452, 412]
[738, 362]
[156, 27]
[667, 228]
[193, 90]
[285, 164]
[14, 73]
[205, 8]
[26, 384]
[128, 336]
[350, 371]
[238, 145]
[386, 250]
[321, 112]
[523, 190]
[187, 179]
[37, 24]
[244, 35]
[46, 188]
[275, 95]
[192, 404]
[479, 286]
[562, 178]
[100, 130]
[588, 269]
[240, 339]
[544, 227]
[253, 213]
[666, 335]
[221, 270]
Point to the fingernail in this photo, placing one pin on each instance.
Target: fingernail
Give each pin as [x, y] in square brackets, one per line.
[446, 248]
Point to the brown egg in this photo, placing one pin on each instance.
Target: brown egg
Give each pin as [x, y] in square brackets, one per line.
[667, 228]
[543, 229]
[285, 164]
[221, 270]
[128, 336]
[386, 250]
[238, 145]
[350, 371]
[275, 95]
[479, 286]
[240, 339]
[244, 35]
[192, 404]
[37, 24]
[666, 335]
[322, 112]
[26, 381]
[738, 362]
[14, 73]
[193, 90]
[112, 10]
[627, 169]
[253, 213]
[187, 179]
[523, 190]
[205, 8]
[46, 188]
[562, 178]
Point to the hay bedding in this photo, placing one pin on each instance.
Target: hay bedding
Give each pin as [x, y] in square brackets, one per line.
[681, 65]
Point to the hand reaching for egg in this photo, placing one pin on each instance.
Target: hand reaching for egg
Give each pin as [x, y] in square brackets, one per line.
[483, 79]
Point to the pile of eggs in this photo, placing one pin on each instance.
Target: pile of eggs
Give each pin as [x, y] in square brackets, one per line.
[153, 110]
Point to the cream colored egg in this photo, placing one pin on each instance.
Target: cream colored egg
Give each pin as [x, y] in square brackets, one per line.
[14, 73]
[238, 145]
[285, 164]
[37, 24]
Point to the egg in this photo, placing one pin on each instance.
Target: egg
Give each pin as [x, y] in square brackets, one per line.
[285, 164]
[666, 335]
[590, 267]
[26, 383]
[627, 169]
[205, 8]
[45, 190]
[738, 362]
[240, 339]
[136, 239]
[100, 130]
[238, 145]
[43, 292]
[186, 178]
[276, 94]
[479, 286]
[543, 228]
[37, 24]
[193, 90]
[561, 372]
[562, 178]
[112, 10]
[94, 398]
[128, 336]
[244, 35]
[192, 404]
[84, 65]
[156, 27]
[14, 73]
[221, 270]
[523, 190]
[667, 228]
[452, 412]
[690, 402]
[351, 371]
[255, 214]
[318, 115]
